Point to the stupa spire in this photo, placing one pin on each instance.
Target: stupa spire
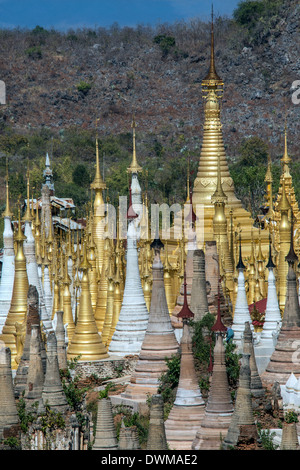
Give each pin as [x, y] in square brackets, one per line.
[134, 166]
[212, 74]
[7, 212]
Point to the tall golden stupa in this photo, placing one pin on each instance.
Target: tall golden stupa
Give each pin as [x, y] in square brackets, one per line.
[212, 152]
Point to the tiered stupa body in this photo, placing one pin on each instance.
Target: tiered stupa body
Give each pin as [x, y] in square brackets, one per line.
[9, 417]
[159, 342]
[32, 318]
[157, 434]
[86, 341]
[284, 359]
[265, 345]
[241, 311]
[31, 262]
[18, 307]
[188, 409]
[219, 407]
[35, 374]
[199, 301]
[98, 226]
[133, 319]
[211, 152]
[242, 427]
[106, 436]
[53, 393]
[8, 263]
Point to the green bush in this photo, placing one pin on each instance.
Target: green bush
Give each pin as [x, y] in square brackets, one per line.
[84, 87]
[166, 43]
[34, 52]
[169, 380]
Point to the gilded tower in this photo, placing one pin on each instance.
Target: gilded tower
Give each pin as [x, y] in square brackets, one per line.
[212, 151]
[98, 226]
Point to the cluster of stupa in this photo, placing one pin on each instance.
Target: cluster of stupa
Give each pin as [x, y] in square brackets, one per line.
[104, 296]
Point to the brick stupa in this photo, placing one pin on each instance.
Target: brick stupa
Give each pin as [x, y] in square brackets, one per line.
[188, 409]
[242, 429]
[285, 358]
[159, 342]
[219, 407]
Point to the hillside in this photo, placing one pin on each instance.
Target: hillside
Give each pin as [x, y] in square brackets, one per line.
[58, 84]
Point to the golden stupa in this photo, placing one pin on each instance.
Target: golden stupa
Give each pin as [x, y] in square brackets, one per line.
[86, 341]
[212, 152]
[18, 308]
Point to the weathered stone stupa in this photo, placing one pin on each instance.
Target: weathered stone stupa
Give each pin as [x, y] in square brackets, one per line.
[32, 318]
[242, 429]
[188, 409]
[198, 301]
[106, 436]
[128, 438]
[9, 418]
[219, 407]
[53, 393]
[35, 374]
[284, 359]
[256, 387]
[159, 342]
[157, 435]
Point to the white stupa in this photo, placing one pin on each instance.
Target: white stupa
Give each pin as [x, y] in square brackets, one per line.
[241, 311]
[31, 263]
[8, 263]
[265, 343]
[133, 319]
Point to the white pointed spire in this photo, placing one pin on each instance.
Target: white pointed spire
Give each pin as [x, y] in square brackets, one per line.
[133, 319]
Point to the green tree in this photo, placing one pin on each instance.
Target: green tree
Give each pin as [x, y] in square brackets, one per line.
[166, 43]
[81, 175]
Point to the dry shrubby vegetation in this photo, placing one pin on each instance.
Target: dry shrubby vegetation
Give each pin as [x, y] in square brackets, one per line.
[58, 84]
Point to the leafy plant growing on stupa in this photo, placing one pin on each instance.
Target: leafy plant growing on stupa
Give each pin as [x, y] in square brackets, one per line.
[291, 417]
[266, 438]
[169, 379]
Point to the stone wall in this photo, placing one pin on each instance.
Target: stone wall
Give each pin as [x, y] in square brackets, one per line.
[106, 368]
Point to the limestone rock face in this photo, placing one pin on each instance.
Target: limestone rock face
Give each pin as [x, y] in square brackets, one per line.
[106, 437]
